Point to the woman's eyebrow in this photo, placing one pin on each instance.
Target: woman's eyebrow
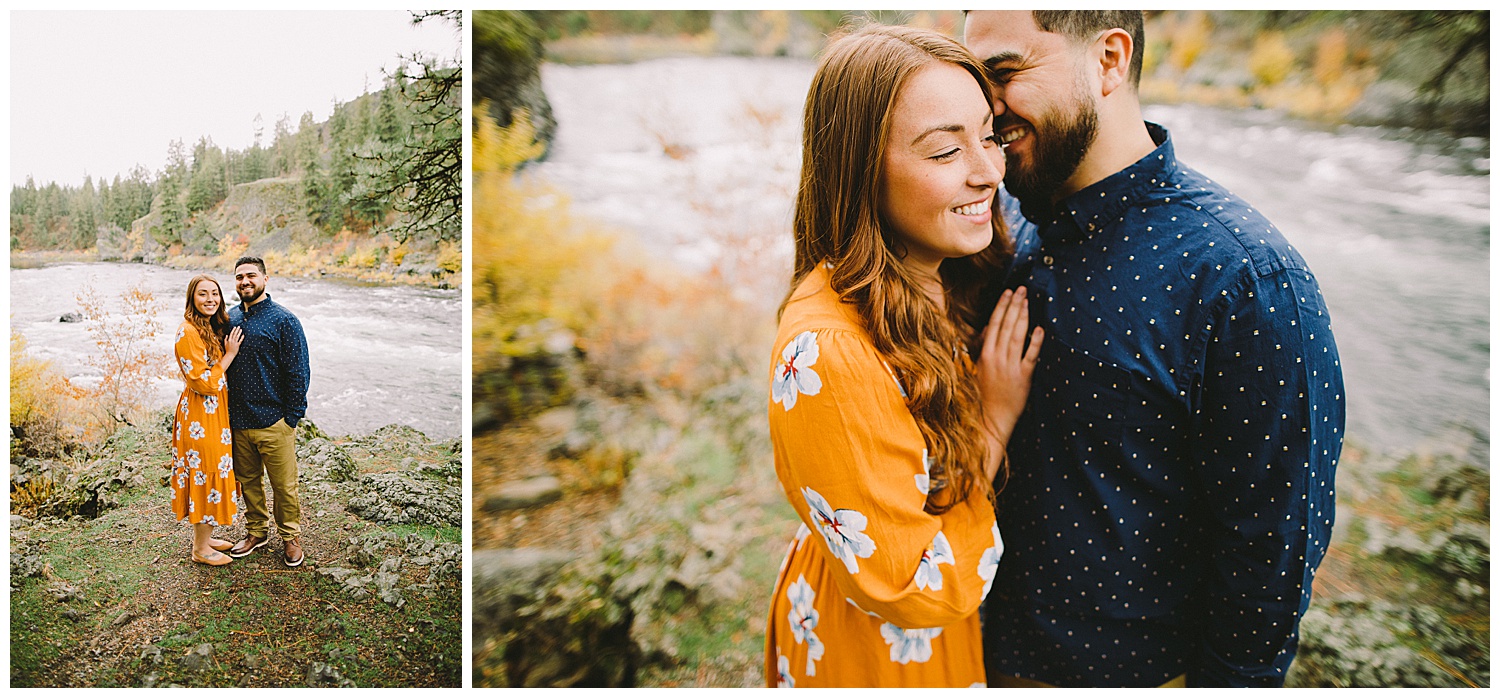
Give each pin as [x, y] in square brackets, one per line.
[946, 128]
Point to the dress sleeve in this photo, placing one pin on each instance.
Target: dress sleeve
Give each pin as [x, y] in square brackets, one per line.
[192, 361]
[854, 466]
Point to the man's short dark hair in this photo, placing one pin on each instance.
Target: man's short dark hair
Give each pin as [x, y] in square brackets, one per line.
[1084, 25]
[257, 261]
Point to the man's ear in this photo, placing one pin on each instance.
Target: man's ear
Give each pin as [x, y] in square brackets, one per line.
[1114, 49]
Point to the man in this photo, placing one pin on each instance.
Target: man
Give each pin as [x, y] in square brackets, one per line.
[1171, 482]
[267, 397]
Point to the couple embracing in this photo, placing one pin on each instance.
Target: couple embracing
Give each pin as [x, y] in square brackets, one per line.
[1112, 362]
[246, 375]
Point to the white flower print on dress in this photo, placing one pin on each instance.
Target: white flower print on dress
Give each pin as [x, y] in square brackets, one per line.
[211, 404]
[187, 364]
[179, 430]
[784, 672]
[226, 437]
[989, 561]
[195, 431]
[191, 506]
[803, 618]
[214, 497]
[928, 574]
[844, 529]
[200, 478]
[193, 459]
[226, 465]
[924, 481]
[908, 646]
[795, 376]
[182, 479]
[174, 494]
[181, 332]
[221, 382]
[207, 374]
[209, 519]
[184, 406]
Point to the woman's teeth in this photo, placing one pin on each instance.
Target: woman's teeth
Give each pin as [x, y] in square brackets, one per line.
[973, 209]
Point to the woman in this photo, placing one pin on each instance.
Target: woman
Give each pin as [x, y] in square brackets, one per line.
[203, 487]
[886, 436]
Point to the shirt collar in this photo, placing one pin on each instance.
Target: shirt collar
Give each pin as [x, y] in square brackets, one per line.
[267, 302]
[1097, 205]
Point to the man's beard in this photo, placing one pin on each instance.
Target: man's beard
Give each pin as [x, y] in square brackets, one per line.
[1060, 147]
[254, 294]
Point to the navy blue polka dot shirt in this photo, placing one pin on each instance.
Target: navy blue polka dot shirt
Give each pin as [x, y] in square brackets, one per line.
[1172, 479]
[268, 379]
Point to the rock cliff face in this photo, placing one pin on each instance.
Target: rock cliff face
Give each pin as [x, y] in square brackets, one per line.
[265, 214]
[507, 70]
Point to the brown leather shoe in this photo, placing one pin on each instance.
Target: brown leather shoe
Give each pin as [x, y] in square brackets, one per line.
[291, 552]
[248, 545]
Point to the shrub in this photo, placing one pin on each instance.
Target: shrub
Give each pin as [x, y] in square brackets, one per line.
[123, 335]
[1271, 60]
[39, 402]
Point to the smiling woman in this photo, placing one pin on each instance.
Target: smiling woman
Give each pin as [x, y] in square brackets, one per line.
[204, 491]
[886, 437]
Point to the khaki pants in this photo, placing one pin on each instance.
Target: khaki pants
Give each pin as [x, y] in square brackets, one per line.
[1018, 682]
[272, 450]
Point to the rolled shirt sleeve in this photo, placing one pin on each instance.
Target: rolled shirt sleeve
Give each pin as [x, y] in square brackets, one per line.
[1271, 416]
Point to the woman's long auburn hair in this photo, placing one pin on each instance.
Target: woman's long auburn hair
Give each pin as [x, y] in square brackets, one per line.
[846, 125]
[212, 328]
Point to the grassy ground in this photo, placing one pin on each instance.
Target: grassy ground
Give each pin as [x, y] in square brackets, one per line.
[117, 602]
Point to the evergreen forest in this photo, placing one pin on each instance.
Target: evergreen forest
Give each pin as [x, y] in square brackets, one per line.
[379, 178]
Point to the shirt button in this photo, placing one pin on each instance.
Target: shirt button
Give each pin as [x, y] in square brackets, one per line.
[1047, 259]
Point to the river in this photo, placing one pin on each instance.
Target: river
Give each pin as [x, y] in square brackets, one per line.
[379, 354]
[1395, 224]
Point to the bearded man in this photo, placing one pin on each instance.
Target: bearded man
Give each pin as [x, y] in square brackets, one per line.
[1172, 478]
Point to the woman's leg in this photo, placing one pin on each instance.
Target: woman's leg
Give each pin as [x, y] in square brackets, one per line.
[204, 542]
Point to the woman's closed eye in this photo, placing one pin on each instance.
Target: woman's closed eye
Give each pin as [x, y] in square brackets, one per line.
[946, 155]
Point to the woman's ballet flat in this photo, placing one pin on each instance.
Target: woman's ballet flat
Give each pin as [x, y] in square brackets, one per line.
[220, 545]
[219, 559]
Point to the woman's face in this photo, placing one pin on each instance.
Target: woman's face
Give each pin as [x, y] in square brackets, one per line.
[206, 298]
[941, 166]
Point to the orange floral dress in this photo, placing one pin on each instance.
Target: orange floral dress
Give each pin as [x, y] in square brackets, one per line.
[203, 486]
[874, 591]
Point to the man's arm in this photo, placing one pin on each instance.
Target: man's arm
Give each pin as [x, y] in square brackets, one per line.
[1271, 423]
[295, 373]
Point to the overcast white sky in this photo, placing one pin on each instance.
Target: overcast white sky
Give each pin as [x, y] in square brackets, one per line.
[99, 92]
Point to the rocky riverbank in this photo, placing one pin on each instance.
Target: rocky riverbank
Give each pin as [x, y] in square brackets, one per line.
[634, 542]
[103, 593]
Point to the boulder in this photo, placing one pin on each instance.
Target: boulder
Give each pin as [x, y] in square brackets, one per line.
[524, 494]
[402, 498]
[508, 57]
